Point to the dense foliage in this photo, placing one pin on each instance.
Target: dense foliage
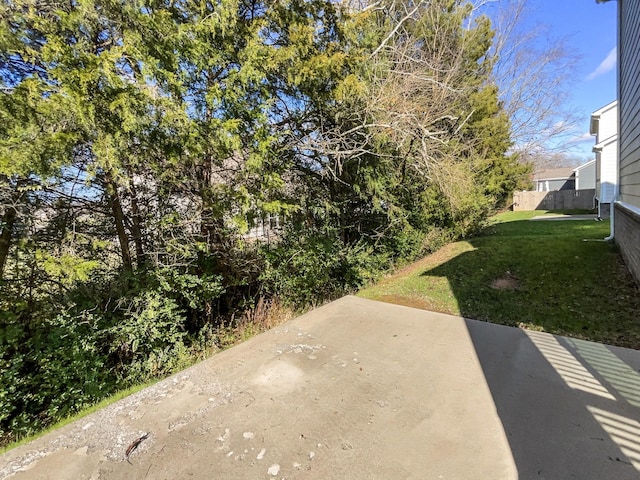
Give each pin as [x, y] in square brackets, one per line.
[140, 143]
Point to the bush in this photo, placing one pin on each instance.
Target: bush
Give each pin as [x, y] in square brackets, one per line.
[49, 370]
[306, 270]
[150, 340]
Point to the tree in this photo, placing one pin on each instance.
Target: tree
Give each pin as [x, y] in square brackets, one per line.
[139, 140]
[534, 72]
[419, 103]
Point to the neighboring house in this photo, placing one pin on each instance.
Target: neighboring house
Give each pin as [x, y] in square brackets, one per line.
[585, 176]
[625, 218]
[266, 228]
[604, 125]
[554, 179]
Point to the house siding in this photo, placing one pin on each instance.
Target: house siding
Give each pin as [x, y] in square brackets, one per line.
[598, 167]
[627, 221]
[608, 174]
[586, 176]
[604, 125]
[562, 184]
[629, 101]
[607, 124]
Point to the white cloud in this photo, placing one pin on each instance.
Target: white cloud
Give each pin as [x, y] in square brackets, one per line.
[585, 137]
[606, 65]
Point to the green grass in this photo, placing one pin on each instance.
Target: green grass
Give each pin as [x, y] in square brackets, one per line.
[540, 275]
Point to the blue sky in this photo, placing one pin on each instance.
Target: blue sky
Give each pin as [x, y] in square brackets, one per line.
[590, 30]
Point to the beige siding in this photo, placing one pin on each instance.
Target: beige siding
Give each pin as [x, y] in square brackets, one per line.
[627, 218]
[630, 102]
[632, 184]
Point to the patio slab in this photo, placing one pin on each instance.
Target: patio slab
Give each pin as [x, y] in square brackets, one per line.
[359, 389]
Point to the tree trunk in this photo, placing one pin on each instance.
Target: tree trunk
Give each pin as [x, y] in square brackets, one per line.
[118, 215]
[8, 222]
[136, 225]
[211, 224]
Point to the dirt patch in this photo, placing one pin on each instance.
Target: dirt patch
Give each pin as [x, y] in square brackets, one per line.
[432, 260]
[405, 301]
[507, 282]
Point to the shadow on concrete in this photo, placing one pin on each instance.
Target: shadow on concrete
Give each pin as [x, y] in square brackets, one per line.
[569, 408]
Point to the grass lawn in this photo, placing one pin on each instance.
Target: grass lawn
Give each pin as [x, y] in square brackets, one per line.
[553, 276]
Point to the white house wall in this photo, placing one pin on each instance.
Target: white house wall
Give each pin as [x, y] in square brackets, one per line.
[608, 172]
[608, 125]
[598, 170]
[604, 125]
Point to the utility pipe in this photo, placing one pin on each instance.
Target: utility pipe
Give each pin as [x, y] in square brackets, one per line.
[612, 209]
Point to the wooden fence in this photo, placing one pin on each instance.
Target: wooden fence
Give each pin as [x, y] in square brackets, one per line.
[556, 200]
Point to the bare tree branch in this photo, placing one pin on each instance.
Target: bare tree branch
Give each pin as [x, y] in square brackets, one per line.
[534, 72]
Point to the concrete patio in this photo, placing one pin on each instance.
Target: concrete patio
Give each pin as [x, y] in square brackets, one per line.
[359, 389]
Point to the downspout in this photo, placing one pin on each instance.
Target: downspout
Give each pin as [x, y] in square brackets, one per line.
[598, 152]
[612, 209]
[616, 190]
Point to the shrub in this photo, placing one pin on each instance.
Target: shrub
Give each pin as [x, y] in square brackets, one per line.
[150, 340]
[311, 269]
[49, 370]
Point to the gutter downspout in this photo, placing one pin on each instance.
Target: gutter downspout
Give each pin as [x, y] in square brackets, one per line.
[612, 209]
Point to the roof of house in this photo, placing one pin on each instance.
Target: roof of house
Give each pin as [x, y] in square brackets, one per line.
[554, 173]
[585, 165]
[608, 106]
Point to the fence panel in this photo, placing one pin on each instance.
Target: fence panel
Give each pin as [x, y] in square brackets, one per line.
[556, 200]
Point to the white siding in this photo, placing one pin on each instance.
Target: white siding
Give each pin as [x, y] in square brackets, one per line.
[608, 172]
[606, 151]
[608, 124]
[598, 170]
